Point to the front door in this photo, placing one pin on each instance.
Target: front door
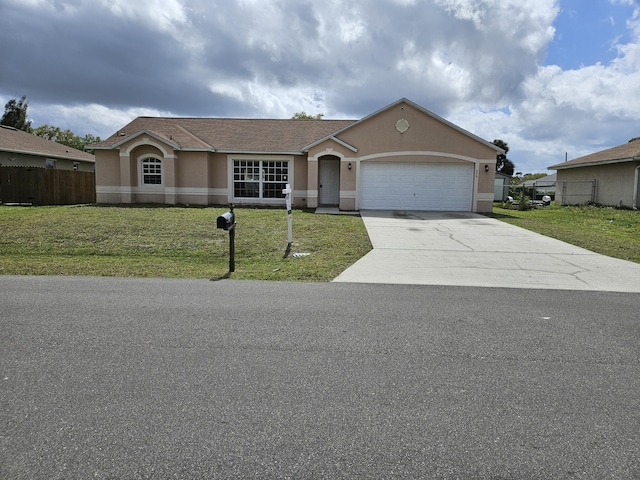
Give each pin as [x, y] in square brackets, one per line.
[329, 182]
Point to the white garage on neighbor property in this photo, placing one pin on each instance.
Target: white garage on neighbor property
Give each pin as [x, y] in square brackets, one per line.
[416, 186]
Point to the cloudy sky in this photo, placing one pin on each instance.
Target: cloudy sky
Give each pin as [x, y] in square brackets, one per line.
[546, 76]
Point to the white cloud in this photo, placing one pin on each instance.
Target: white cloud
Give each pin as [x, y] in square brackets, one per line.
[161, 14]
[98, 120]
[350, 30]
[478, 63]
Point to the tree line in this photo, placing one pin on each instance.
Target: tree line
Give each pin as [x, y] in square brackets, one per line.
[15, 115]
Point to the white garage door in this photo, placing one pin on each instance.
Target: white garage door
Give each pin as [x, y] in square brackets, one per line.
[416, 186]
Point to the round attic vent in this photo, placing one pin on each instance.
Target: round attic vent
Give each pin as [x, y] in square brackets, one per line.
[402, 125]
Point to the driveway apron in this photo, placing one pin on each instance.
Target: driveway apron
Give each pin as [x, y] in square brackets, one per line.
[468, 249]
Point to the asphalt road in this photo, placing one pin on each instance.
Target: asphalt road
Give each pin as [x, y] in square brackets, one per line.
[133, 378]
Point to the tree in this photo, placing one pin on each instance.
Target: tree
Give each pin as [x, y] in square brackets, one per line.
[305, 116]
[503, 164]
[508, 167]
[15, 114]
[89, 140]
[634, 139]
[501, 144]
[65, 137]
[47, 131]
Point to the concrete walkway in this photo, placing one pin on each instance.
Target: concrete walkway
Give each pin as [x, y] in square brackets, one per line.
[468, 249]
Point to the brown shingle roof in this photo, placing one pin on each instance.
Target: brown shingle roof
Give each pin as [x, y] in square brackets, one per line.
[622, 153]
[231, 134]
[13, 140]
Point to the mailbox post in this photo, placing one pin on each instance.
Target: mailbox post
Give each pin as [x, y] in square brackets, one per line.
[287, 195]
[227, 221]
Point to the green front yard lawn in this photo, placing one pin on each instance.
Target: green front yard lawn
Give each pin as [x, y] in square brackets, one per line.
[606, 230]
[177, 242]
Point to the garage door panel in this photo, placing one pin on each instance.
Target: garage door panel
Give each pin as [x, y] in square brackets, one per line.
[416, 186]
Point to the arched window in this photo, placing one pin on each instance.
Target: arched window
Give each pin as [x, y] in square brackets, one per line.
[151, 171]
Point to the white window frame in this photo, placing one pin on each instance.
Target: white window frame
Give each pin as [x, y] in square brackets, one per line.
[288, 159]
[141, 172]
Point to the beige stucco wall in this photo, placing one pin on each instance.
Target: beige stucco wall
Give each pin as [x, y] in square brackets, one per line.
[189, 177]
[426, 140]
[218, 170]
[614, 186]
[108, 168]
[107, 176]
[300, 178]
[425, 133]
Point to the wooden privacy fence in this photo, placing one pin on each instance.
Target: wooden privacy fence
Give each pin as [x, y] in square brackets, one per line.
[43, 186]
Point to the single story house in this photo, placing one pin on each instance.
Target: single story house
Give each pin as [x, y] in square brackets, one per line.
[609, 177]
[540, 187]
[22, 149]
[400, 157]
[543, 184]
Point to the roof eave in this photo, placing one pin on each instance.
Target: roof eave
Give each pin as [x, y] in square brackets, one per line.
[333, 138]
[128, 138]
[48, 155]
[258, 152]
[561, 166]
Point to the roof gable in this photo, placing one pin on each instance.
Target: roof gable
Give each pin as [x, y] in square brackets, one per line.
[426, 112]
[14, 140]
[622, 153]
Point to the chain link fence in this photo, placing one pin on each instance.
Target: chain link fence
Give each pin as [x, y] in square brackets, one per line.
[564, 193]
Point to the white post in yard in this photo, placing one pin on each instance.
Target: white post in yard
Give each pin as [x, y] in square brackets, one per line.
[287, 196]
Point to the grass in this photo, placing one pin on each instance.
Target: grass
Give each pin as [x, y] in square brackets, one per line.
[176, 242]
[180, 242]
[605, 230]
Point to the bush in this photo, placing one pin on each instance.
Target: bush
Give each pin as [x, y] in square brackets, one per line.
[524, 202]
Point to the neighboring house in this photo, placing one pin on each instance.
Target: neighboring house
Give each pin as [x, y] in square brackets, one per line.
[400, 157]
[540, 187]
[546, 183]
[610, 177]
[22, 149]
[501, 187]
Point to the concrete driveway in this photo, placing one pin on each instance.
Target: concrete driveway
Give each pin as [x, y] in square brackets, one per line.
[468, 249]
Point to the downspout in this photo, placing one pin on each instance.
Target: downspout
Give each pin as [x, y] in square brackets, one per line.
[635, 188]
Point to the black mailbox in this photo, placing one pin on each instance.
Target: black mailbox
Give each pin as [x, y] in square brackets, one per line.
[226, 221]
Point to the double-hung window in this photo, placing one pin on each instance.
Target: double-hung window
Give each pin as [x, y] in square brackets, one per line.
[260, 178]
[151, 171]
